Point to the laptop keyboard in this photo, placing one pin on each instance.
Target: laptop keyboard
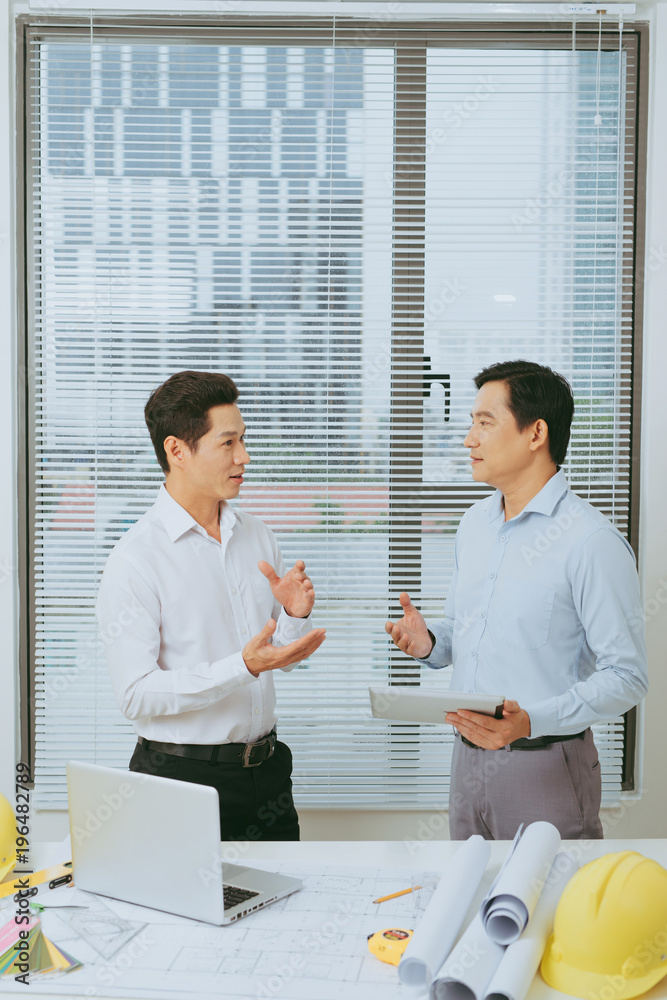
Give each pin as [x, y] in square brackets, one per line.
[233, 895]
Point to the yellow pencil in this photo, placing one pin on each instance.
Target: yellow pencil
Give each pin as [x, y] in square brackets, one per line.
[403, 892]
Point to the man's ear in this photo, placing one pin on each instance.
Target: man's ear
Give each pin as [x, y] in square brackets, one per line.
[175, 450]
[540, 437]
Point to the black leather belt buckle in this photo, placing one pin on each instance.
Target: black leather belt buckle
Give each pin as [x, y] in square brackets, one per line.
[246, 754]
[256, 753]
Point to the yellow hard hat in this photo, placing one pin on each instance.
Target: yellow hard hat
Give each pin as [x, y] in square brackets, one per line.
[610, 929]
[7, 837]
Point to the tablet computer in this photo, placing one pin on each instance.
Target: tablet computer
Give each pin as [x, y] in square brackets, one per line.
[413, 704]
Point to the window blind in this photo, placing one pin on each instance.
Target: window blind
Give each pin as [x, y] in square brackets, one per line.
[350, 220]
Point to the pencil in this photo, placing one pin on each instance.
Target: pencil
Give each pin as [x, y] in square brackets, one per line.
[403, 892]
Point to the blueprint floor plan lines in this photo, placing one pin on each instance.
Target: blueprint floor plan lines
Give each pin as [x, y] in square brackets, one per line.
[311, 944]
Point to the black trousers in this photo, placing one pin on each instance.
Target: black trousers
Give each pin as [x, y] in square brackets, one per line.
[255, 802]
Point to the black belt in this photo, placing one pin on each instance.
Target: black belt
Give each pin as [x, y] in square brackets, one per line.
[536, 744]
[246, 754]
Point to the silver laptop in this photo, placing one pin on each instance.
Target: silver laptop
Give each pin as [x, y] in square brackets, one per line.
[156, 842]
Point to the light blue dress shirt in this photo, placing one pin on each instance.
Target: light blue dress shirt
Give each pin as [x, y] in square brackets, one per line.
[545, 609]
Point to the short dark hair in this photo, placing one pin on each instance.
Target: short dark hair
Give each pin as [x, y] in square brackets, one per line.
[533, 392]
[180, 407]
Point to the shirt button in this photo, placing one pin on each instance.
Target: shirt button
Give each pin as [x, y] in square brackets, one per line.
[482, 614]
[234, 590]
[474, 652]
[503, 538]
[492, 575]
[256, 711]
[243, 631]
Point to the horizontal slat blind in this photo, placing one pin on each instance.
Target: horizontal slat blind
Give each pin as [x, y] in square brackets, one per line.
[314, 210]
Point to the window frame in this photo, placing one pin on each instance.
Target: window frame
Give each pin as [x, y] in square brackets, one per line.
[495, 34]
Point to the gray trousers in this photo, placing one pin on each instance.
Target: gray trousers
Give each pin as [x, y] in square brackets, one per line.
[493, 791]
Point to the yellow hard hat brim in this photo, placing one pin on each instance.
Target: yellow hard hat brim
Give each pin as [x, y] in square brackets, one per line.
[581, 983]
[6, 865]
[7, 837]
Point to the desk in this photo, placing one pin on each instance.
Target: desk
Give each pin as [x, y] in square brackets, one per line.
[398, 855]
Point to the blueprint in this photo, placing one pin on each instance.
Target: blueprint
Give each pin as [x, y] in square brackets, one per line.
[311, 945]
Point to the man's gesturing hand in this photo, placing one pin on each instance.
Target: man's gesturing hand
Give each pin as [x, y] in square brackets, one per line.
[293, 590]
[260, 655]
[489, 733]
[410, 634]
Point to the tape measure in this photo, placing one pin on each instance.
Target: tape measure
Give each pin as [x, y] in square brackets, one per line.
[389, 945]
[56, 876]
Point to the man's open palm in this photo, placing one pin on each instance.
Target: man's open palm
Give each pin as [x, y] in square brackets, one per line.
[410, 633]
[294, 590]
[260, 654]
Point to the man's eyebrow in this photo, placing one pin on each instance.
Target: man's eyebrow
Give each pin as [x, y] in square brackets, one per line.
[483, 413]
[230, 434]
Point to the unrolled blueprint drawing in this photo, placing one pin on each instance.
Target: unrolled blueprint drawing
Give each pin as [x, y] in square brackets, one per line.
[312, 945]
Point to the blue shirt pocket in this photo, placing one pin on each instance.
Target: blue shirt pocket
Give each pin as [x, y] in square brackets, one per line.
[520, 613]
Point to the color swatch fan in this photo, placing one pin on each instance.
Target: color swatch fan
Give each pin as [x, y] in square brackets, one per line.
[26, 956]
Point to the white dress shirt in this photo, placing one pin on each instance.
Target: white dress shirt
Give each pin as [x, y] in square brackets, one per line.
[175, 609]
[545, 608]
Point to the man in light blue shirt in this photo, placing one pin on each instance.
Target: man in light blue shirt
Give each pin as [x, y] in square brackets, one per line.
[544, 608]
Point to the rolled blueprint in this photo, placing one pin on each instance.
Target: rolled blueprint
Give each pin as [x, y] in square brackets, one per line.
[443, 918]
[512, 978]
[512, 898]
[469, 969]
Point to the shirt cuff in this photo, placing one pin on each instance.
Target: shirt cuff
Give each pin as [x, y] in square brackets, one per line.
[543, 719]
[440, 655]
[232, 671]
[293, 628]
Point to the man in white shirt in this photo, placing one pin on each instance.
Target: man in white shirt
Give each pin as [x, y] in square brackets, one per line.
[543, 608]
[196, 609]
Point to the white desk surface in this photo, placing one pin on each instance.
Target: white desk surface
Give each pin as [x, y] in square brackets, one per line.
[428, 855]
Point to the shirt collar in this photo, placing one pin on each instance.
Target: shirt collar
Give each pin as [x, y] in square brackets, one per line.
[543, 503]
[176, 519]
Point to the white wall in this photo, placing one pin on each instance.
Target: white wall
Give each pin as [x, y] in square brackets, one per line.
[642, 815]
